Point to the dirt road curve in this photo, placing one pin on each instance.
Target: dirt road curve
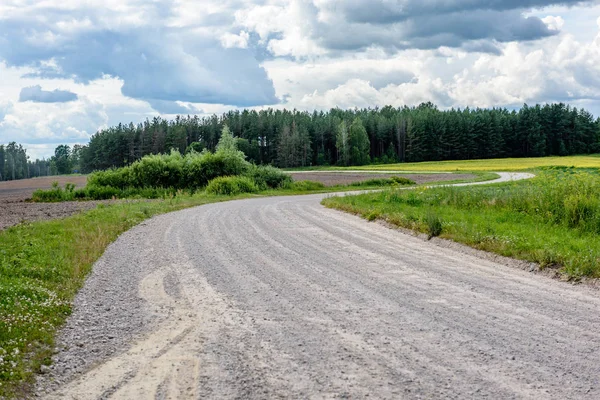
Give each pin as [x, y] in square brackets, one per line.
[282, 298]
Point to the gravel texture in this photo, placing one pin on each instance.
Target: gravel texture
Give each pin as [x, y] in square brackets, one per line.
[282, 298]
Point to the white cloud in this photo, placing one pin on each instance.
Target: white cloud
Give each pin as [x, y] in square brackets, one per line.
[230, 40]
[554, 23]
[557, 69]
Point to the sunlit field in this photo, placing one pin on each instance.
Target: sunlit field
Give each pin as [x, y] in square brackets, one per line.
[505, 164]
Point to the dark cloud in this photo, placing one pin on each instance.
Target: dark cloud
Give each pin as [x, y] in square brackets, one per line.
[429, 24]
[391, 11]
[169, 107]
[37, 95]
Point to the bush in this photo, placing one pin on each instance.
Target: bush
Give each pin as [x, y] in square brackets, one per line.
[268, 177]
[403, 181]
[164, 171]
[118, 178]
[101, 192]
[173, 171]
[305, 186]
[393, 181]
[55, 194]
[48, 196]
[231, 185]
[201, 168]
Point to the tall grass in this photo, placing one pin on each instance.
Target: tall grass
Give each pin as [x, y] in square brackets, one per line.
[559, 196]
[553, 219]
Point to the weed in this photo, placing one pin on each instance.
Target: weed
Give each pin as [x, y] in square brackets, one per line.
[372, 215]
[434, 224]
[304, 186]
[393, 181]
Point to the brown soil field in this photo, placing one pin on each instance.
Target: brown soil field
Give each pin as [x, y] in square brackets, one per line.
[22, 189]
[14, 209]
[344, 178]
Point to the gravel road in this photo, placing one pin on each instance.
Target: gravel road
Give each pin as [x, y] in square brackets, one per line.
[282, 298]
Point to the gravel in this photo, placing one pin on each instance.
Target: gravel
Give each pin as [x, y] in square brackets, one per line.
[282, 298]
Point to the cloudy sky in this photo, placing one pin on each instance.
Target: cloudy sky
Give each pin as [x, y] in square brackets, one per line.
[69, 68]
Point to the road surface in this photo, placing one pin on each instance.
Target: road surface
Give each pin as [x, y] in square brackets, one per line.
[282, 298]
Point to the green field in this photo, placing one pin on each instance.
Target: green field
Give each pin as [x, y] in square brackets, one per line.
[553, 219]
[498, 165]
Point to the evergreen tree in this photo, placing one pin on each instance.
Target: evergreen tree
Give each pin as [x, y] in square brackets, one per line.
[342, 144]
[2, 162]
[359, 143]
[62, 159]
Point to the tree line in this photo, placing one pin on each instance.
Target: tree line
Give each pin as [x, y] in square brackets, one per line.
[16, 164]
[291, 138]
[354, 137]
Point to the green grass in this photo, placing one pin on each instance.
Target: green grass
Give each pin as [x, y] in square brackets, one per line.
[553, 219]
[498, 165]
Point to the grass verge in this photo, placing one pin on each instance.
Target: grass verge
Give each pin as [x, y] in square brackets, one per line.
[553, 219]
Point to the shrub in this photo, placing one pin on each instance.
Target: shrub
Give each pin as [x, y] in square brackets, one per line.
[48, 196]
[231, 185]
[118, 178]
[55, 194]
[101, 192]
[268, 177]
[393, 181]
[403, 181]
[158, 171]
[201, 168]
[305, 186]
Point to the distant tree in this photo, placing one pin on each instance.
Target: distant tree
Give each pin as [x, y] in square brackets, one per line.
[286, 151]
[195, 146]
[227, 143]
[62, 159]
[296, 138]
[359, 143]
[75, 157]
[2, 161]
[342, 144]
[293, 149]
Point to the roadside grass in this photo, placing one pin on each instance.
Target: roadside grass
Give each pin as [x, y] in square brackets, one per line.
[498, 165]
[43, 265]
[553, 219]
